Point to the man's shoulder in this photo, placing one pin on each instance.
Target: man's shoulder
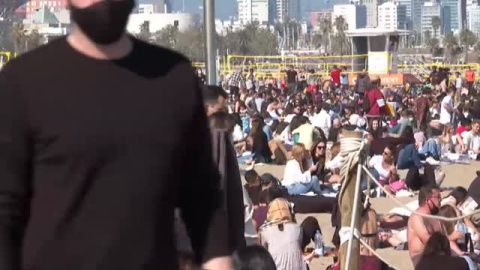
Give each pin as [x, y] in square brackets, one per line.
[44, 55]
[159, 53]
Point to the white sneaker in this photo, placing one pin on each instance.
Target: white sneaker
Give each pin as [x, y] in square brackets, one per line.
[432, 161]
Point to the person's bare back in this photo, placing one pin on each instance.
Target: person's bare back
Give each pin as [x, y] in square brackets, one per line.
[420, 229]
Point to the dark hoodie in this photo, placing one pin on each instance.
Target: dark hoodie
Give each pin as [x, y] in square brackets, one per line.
[231, 184]
[363, 83]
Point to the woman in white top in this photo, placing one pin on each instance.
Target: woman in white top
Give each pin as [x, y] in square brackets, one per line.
[298, 172]
[447, 139]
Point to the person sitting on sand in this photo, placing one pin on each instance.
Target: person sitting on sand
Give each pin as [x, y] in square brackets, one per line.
[319, 157]
[298, 172]
[454, 232]
[283, 237]
[306, 132]
[383, 167]
[437, 255]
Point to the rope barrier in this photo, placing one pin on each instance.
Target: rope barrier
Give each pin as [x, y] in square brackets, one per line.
[365, 169]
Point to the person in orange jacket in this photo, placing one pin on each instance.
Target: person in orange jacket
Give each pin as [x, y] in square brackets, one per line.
[470, 78]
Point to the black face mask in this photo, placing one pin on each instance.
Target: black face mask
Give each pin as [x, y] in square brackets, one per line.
[104, 22]
[434, 209]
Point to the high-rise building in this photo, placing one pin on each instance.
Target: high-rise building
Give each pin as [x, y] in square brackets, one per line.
[317, 17]
[355, 15]
[262, 11]
[408, 4]
[157, 6]
[458, 13]
[433, 9]
[392, 16]
[417, 6]
[53, 5]
[287, 10]
[473, 15]
[372, 12]
[472, 2]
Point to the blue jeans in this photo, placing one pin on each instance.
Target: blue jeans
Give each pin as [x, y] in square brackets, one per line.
[395, 129]
[431, 147]
[365, 178]
[300, 188]
[323, 188]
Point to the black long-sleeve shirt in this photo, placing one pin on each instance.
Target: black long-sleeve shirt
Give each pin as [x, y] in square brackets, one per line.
[94, 157]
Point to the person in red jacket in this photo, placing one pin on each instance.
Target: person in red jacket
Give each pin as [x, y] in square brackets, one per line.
[335, 74]
[375, 97]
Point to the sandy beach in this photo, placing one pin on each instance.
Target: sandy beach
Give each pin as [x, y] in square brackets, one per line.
[456, 175]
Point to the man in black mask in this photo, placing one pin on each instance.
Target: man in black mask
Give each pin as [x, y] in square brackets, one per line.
[420, 229]
[90, 170]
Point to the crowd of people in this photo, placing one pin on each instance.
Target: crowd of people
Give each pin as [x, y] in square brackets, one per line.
[297, 121]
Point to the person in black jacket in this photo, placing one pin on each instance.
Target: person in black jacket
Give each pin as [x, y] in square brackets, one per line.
[260, 149]
[221, 126]
[94, 162]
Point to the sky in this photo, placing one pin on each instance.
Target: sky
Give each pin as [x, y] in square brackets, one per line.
[226, 8]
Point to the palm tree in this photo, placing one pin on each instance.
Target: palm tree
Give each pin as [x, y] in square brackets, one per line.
[167, 37]
[449, 42]
[144, 34]
[34, 40]
[433, 43]
[428, 37]
[19, 37]
[316, 41]
[436, 23]
[326, 29]
[467, 39]
[252, 27]
[341, 37]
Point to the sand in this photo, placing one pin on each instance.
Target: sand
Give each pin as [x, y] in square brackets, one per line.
[456, 175]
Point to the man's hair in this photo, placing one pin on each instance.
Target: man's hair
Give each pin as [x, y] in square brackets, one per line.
[222, 120]
[425, 193]
[451, 90]
[211, 93]
[253, 257]
[465, 122]
[251, 176]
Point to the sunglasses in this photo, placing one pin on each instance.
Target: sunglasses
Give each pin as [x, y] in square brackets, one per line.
[386, 154]
[320, 147]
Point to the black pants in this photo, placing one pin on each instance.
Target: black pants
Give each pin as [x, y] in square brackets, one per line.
[310, 227]
[415, 180]
[470, 88]
[313, 204]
